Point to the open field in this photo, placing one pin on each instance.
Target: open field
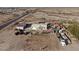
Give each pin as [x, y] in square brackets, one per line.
[8, 14]
[40, 42]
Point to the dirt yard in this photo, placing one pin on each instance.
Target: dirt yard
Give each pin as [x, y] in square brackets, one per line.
[43, 42]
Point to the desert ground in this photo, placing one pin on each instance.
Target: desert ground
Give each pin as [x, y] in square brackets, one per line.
[40, 42]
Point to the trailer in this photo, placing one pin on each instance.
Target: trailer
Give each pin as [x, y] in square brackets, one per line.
[33, 28]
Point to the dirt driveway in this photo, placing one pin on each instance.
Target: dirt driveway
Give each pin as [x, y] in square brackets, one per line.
[43, 42]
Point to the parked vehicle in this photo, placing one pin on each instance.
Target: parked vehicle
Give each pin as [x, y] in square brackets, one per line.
[63, 42]
[22, 28]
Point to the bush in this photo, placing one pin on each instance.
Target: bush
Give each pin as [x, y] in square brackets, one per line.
[74, 29]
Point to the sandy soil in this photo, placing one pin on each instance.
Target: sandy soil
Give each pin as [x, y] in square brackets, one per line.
[4, 18]
[42, 42]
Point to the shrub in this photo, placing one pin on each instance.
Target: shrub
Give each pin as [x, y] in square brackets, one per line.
[74, 29]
